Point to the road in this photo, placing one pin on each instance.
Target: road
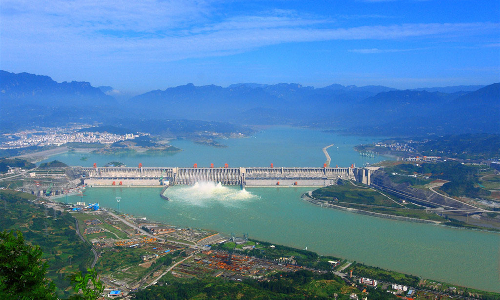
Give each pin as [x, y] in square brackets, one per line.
[328, 159]
[168, 270]
[465, 210]
[132, 225]
[343, 268]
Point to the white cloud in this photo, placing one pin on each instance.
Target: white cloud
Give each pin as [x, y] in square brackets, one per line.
[170, 30]
[376, 50]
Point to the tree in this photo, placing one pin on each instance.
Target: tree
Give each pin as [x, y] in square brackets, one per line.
[22, 272]
[81, 282]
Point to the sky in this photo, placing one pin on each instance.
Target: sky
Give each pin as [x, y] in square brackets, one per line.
[138, 46]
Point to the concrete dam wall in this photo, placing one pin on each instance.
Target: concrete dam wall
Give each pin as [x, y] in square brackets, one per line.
[156, 176]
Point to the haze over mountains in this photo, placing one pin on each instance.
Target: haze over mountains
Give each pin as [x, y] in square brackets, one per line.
[28, 99]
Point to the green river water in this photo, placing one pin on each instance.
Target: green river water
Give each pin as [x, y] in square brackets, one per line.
[278, 215]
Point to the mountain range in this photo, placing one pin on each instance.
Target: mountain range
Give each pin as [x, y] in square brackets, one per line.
[372, 110]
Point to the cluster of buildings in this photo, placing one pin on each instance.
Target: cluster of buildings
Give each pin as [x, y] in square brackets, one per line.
[59, 136]
[396, 146]
[231, 266]
[423, 158]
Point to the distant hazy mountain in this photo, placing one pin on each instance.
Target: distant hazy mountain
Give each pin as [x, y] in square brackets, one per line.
[30, 88]
[452, 89]
[479, 110]
[28, 99]
[251, 103]
[408, 103]
[422, 112]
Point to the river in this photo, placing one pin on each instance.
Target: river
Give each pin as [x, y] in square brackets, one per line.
[462, 257]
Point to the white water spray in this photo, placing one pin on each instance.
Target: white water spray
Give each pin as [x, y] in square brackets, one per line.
[203, 193]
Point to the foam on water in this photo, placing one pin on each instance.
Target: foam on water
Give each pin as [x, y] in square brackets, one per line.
[203, 193]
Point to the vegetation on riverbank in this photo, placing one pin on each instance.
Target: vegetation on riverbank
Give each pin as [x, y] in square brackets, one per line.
[362, 270]
[368, 201]
[349, 195]
[270, 251]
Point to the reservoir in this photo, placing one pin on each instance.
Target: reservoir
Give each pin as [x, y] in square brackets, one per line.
[462, 257]
[282, 146]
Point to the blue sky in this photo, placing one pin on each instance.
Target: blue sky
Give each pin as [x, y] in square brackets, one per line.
[137, 46]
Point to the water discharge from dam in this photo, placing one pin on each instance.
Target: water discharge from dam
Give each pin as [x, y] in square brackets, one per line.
[202, 193]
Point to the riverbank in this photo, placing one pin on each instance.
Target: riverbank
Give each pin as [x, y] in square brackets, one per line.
[309, 198]
[450, 223]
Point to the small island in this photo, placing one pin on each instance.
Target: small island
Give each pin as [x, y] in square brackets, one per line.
[115, 164]
[209, 142]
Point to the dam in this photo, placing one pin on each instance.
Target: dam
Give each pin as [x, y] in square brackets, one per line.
[251, 177]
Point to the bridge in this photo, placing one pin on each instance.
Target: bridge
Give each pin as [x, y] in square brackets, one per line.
[254, 176]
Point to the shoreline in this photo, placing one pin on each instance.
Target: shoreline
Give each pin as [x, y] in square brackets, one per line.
[307, 197]
[322, 204]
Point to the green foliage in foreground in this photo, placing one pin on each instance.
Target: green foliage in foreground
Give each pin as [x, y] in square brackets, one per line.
[22, 271]
[294, 285]
[89, 283]
[53, 231]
